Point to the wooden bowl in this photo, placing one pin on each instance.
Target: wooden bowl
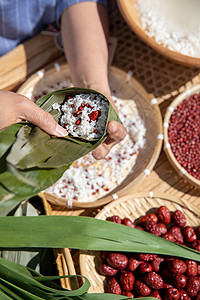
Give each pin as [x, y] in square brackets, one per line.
[182, 172]
[126, 88]
[131, 206]
[130, 15]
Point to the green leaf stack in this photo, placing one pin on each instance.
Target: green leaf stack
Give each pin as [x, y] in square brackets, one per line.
[32, 160]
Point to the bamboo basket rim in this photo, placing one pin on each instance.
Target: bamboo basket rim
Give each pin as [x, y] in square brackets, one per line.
[180, 98]
[61, 202]
[86, 258]
[133, 22]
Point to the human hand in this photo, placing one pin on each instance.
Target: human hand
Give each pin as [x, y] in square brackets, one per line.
[116, 133]
[17, 108]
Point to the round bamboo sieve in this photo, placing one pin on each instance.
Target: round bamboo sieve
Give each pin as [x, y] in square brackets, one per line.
[132, 206]
[182, 172]
[130, 15]
[126, 87]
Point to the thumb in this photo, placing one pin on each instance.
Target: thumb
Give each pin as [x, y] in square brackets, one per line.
[42, 119]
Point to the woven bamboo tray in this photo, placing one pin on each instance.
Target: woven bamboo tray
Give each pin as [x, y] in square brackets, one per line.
[130, 15]
[132, 206]
[182, 172]
[126, 87]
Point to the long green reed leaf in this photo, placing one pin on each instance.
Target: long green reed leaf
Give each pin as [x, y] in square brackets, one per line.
[84, 233]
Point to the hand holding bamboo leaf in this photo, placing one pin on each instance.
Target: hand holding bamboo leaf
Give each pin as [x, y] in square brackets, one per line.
[32, 160]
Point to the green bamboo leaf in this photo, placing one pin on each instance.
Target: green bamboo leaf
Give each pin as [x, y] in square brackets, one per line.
[16, 186]
[84, 233]
[3, 296]
[35, 148]
[8, 137]
[7, 291]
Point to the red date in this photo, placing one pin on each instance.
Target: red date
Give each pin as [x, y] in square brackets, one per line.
[163, 215]
[171, 294]
[113, 286]
[192, 287]
[189, 234]
[128, 222]
[155, 294]
[180, 281]
[142, 289]
[177, 234]
[179, 218]
[191, 268]
[117, 260]
[107, 270]
[127, 280]
[145, 267]
[153, 280]
[133, 264]
[177, 266]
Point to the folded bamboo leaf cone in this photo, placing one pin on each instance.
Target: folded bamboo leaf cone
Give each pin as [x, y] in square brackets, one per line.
[31, 160]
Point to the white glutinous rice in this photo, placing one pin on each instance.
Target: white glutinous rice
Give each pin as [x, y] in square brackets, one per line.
[85, 115]
[174, 24]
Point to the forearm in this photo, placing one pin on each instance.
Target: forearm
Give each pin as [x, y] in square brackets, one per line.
[84, 36]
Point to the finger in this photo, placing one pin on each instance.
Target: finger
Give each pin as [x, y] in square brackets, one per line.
[39, 117]
[117, 133]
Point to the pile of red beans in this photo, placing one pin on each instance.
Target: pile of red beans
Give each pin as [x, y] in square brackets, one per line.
[184, 134]
[162, 277]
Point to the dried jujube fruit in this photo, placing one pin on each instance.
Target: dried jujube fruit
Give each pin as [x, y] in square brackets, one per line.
[177, 266]
[161, 277]
[171, 294]
[163, 215]
[161, 228]
[115, 219]
[128, 294]
[141, 288]
[107, 270]
[155, 294]
[179, 281]
[183, 295]
[153, 280]
[179, 218]
[128, 222]
[127, 280]
[193, 286]
[191, 268]
[144, 267]
[189, 234]
[156, 263]
[151, 227]
[133, 264]
[168, 236]
[177, 234]
[113, 286]
[117, 260]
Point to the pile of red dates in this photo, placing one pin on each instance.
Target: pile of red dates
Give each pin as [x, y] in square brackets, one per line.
[162, 277]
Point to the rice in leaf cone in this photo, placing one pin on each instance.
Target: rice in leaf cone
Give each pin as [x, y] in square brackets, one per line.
[32, 160]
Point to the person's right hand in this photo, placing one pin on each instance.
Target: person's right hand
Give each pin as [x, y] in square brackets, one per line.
[16, 108]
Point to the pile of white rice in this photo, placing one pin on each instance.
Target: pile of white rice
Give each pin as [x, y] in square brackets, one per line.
[173, 23]
[80, 109]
